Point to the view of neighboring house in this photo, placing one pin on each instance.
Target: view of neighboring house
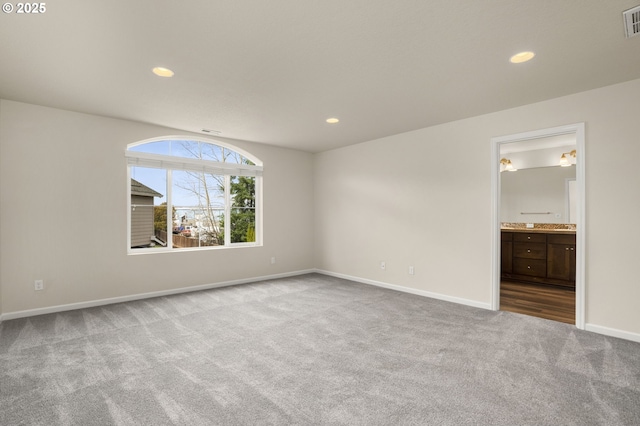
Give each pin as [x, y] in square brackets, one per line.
[142, 232]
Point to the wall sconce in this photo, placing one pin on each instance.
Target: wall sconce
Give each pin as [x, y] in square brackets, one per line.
[507, 165]
[564, 161]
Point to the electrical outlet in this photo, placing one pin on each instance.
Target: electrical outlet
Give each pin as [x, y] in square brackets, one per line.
[273, 260]
[38, 285]
[383, 265]
[411, 270]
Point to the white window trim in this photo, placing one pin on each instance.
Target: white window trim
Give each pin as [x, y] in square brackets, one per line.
[158, 161]
[223, 144]
[170, 163]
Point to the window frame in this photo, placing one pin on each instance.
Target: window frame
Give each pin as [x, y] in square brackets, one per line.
[170, 163]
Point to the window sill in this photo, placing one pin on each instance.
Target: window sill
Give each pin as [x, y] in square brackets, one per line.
[143, 251]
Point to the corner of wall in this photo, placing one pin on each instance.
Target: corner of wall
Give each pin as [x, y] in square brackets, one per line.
[315, 251]
[1, 203]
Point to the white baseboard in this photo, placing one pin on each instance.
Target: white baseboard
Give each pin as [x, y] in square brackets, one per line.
[627, 335]
[613, 332]
[129, 298]
[432, 295]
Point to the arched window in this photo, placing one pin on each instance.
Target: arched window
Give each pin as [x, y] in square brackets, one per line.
[187, 193]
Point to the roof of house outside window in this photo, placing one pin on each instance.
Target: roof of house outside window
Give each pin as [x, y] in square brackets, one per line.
[139, 189]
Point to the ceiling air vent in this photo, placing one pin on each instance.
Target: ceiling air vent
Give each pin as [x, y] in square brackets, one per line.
[632, 21]
[212, 132]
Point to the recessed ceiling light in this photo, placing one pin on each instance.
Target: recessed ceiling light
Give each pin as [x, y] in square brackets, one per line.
[332, 120]
[163, 72]
[521, 57]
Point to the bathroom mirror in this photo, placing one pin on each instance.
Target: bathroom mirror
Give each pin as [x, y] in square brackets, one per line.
[536, 195]
[539, 191]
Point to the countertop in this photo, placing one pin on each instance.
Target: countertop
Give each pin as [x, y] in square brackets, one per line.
[540, 231]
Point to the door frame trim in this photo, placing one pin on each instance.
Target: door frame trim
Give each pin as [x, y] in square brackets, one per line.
[579, 130]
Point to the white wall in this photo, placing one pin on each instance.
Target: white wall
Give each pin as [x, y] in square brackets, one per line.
[401, 199]
[543, 189]
[397, 199]
[63, 211]
[1, 203]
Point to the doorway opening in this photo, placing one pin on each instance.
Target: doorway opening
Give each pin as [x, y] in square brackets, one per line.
[542, 218]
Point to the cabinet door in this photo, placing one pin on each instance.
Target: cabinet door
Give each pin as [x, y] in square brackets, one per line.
[561, 261]
[506, 252]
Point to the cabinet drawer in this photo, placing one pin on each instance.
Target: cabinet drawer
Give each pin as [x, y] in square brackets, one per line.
[530, 250]
[530, 267]
[561, 239]
[532, 238]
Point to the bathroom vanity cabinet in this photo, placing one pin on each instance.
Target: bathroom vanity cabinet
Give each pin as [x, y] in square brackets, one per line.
[539, 256]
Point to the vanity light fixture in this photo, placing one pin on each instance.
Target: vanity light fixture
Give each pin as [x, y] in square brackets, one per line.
[564, 161]
[508, 167]
[332, 120]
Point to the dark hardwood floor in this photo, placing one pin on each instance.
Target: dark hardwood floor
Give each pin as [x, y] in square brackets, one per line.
[543, 301]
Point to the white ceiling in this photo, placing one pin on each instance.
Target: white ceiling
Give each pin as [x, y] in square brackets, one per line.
[273, 71]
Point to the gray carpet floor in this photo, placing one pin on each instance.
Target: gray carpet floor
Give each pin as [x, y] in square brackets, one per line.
[310, 350]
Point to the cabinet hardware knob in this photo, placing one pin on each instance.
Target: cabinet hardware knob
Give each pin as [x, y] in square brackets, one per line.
[528, 238]
[528, 251]
[567, 249]
[572, 248]
[528, 267]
